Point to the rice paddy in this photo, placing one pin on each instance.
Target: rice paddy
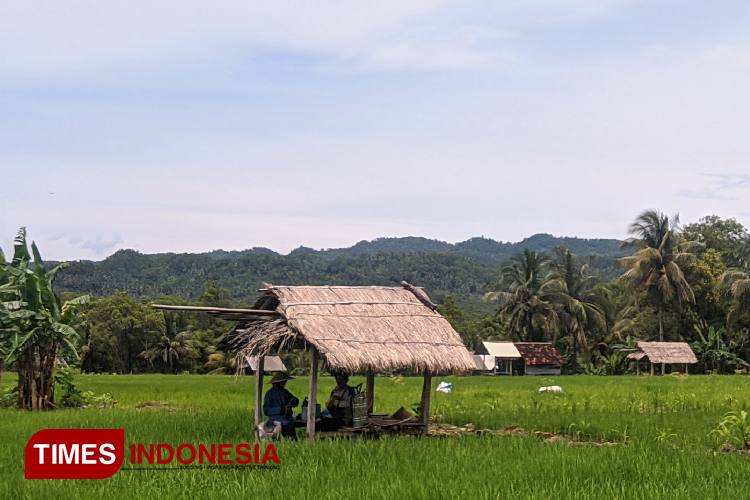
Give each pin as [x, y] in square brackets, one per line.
[625, 437]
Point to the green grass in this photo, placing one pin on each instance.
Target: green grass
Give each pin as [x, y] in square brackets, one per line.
[213, 409]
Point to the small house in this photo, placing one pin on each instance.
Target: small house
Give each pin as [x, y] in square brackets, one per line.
[499, 357]
[662, 353]
[539, 358]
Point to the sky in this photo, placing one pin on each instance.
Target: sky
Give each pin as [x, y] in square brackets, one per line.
[188, 126]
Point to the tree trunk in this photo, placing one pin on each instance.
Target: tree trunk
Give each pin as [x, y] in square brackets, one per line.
[661, 331]
[661, 324]
[36, 379]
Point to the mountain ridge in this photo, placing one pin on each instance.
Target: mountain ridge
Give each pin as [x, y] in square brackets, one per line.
[464, 269]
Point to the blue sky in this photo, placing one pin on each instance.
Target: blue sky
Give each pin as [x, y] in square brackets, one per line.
[184, 126]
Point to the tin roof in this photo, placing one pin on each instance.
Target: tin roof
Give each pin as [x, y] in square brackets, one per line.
[501, 349]
[539, 353]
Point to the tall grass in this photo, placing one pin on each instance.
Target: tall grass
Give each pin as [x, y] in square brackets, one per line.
[667, 420]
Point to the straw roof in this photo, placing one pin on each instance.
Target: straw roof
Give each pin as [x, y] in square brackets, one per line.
[664, 352]
[359, 328]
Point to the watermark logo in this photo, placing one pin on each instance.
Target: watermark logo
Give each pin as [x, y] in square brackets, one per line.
[74, 453]
[100, 453]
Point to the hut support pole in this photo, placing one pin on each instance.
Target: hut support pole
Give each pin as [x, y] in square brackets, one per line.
[637, 366]
[662, 368]
[652, 368]
[370, 392]
[312, 397]
[259, 393]
[426, 393]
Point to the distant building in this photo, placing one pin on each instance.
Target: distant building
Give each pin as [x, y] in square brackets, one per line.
[498, 357]
[539, 358]
[662, 353]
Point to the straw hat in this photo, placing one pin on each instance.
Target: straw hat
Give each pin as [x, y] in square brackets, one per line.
[280, 377]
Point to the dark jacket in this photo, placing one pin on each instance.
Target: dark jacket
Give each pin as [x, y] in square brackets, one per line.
[279, 403]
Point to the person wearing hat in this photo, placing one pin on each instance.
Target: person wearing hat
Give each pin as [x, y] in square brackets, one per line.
[278, 404]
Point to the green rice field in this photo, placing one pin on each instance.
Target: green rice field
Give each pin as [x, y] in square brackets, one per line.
[655, 430]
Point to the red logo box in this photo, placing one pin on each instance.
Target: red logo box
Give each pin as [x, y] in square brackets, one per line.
[74, 453]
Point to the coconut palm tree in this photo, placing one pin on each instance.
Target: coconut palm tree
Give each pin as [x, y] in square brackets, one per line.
[523, 298]
[736, 283]
[168, 351]
[656, 267]
[579, 297]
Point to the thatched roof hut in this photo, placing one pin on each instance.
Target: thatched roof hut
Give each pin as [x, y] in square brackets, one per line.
[664, 353]
[355, 329]
[358, 329]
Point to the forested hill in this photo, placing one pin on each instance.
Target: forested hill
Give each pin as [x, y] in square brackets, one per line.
[463, 269]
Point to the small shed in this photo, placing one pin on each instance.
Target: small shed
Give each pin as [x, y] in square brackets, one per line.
[499, 356]
[354, 329]
[271, 364]
[539, 358]
[662, 353]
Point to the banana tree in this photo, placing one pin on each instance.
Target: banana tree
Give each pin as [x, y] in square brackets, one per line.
[37, 324]
[714, 353]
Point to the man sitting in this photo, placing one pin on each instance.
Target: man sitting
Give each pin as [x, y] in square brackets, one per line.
[278, 404]
[339, 405]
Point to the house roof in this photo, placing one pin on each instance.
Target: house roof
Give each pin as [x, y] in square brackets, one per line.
[539, 353]
[270, 363]
[664, 352]
[501, 349]
[359, 328]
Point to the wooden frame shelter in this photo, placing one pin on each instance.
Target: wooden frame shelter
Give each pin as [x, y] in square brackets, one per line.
[663, 353]
[354, 329]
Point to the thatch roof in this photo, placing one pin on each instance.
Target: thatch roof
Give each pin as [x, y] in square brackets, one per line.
[539, 353]
[664, 352]
[359, 328]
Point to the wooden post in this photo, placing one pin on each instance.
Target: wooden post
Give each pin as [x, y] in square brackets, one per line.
[370, 389]
[652, 368]
[637, 366]
[662, 368]
[426, 393]
[312, 396]
[259, 393]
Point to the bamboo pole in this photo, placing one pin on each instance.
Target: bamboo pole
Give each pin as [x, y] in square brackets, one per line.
[425, 406]
[370, 389]
[312, 396]
[259, 393]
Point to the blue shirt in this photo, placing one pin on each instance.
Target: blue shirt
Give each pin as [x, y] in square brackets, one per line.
[276, 399]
